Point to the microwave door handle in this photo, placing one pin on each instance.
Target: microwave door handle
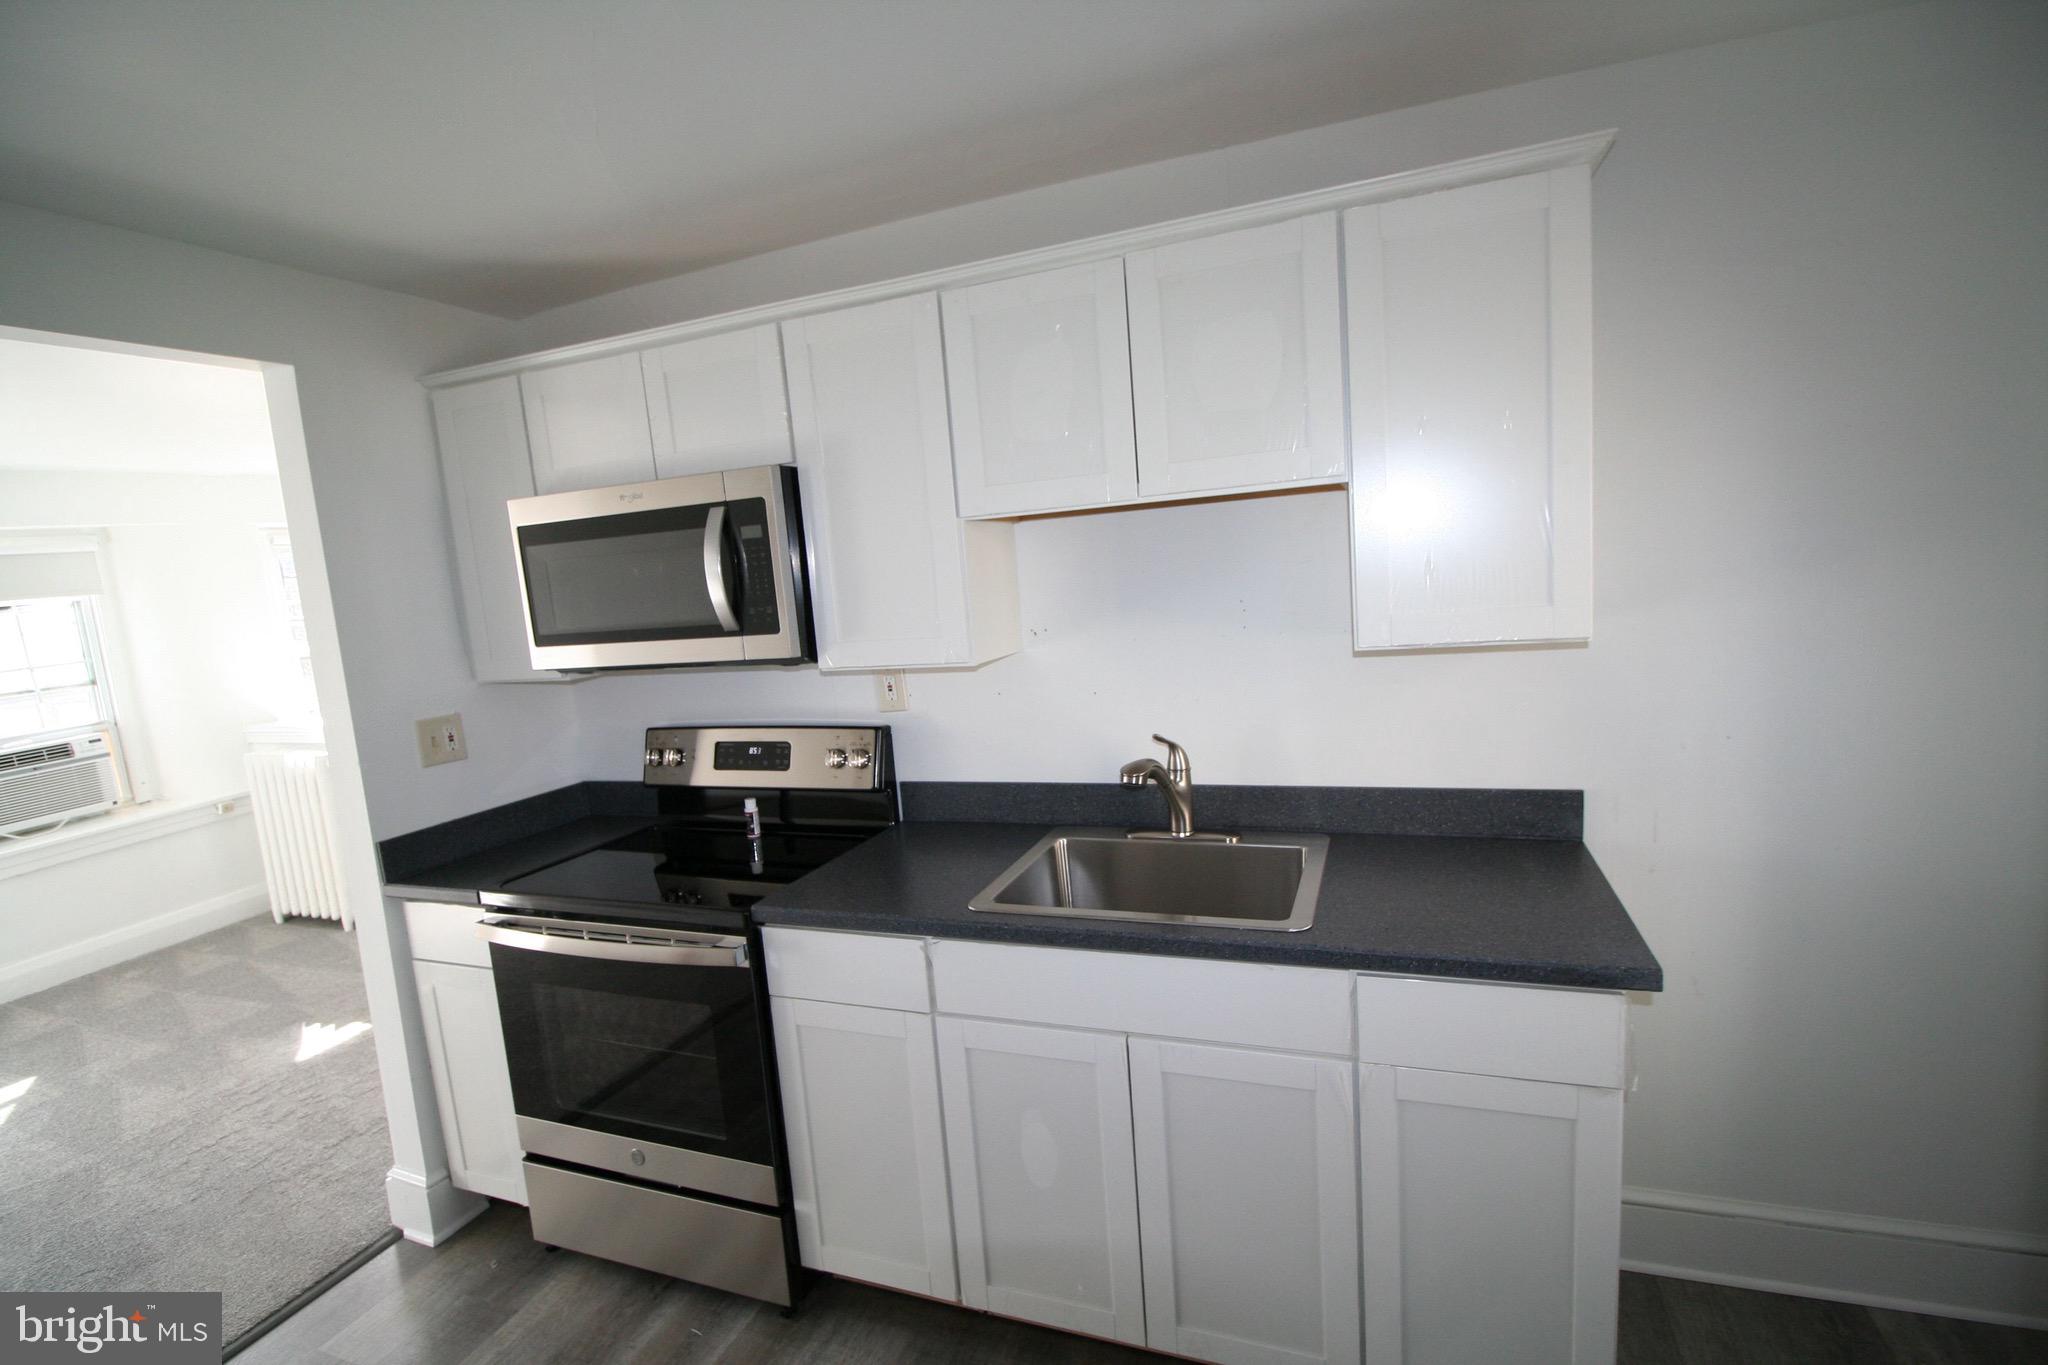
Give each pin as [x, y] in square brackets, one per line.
[714, 570]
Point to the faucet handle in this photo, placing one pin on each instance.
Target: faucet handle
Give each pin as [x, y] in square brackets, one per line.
[1176, 759]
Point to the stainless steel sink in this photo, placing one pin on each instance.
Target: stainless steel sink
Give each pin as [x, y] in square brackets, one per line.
[1263, 881]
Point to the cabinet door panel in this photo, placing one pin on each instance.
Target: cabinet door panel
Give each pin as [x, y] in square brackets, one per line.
[860, 1100]
[588, 424]
[1038, 1132]
[868, 406]
[1039, 380]
[717, 403]
[472, 1085]
[481, 429]
[1236, 359]
[1247, 1191]
[1492, 1216]
[1470, 334]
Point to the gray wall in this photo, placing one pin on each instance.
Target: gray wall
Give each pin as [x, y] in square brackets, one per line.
[1810, 725]
[358, 353]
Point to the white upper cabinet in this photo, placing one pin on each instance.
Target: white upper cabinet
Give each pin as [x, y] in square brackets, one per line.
[1470, 321]
[1236, 359]
[717, 403]
[1038, 372]
[588, 425]
[899, 580]
[482, 432]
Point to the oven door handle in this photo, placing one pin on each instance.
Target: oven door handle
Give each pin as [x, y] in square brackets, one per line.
[714, 570]
[666, 950]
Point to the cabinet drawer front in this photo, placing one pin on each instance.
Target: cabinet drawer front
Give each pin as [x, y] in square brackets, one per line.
[1250, 1004]
[1537, 1034]
[848, 969]
[446, 933]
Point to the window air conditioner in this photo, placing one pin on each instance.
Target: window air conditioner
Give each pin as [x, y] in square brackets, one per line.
[54, 780]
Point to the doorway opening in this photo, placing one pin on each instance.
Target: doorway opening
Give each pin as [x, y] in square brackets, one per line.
[189, 1095]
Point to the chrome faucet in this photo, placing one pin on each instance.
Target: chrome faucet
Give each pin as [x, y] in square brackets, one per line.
[1175, 779]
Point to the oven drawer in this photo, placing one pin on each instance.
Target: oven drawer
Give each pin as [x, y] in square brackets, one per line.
[670, 1234]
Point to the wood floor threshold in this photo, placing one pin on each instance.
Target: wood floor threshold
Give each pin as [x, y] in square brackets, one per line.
[263, 1325]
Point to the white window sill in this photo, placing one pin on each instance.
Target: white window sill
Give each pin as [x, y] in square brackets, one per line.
[126, 825]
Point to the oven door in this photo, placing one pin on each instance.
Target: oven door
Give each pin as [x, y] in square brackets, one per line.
[676, 571]
[636, 1050]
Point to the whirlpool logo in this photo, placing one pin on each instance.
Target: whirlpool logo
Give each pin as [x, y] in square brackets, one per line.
[169, 1329]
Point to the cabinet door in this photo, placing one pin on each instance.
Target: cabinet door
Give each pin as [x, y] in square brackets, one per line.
[472, 1086]
[1471, 425]
[1248, 1199]
[1038, 373]
[1236, 359]
[1492, 1213]
[860, 1101]
[588, 424]
[900, 581]
[717, 403]
[482, 432]
[1045, 1208]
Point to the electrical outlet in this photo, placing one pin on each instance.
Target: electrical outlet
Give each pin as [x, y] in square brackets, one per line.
[441, 740]
[890, 694]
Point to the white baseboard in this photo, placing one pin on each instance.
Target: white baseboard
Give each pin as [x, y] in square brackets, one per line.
[59, 965]
[429, 1212]
[1987, 1274]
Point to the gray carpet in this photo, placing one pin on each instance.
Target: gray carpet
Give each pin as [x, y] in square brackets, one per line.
[170, 1140]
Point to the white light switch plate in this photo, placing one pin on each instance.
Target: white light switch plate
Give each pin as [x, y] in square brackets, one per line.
[441, 740]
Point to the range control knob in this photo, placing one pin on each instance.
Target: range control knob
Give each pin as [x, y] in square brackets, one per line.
[672, 758]
[859, 758]
[835, 758]
[652, 758]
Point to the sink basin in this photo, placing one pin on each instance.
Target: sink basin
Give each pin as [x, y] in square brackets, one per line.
[1264, 881]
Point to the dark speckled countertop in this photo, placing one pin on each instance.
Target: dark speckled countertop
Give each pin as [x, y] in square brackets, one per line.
[1490, 886]
[1533, 910]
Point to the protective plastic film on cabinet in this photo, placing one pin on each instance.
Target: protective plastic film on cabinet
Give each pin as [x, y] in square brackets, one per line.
[1236, 370]
[1469, 317]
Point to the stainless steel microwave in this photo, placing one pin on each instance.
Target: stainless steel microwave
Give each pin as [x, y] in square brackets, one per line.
[708, 569]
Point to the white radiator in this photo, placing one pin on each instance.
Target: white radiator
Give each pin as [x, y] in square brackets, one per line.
[288, 791]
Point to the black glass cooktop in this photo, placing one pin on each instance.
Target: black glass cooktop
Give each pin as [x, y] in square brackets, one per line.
[668, 864]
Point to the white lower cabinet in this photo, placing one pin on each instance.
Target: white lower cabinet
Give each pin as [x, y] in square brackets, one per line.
[1248, 1203]
[1226, 1161]
[860, 1105]
[472, 1085]
[1045, 1201]
[1492, 1217]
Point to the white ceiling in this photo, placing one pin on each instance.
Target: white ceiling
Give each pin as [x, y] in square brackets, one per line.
[70, 408]
[512, 155]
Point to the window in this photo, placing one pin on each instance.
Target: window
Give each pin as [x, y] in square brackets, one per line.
[280, 543]
[52, 677]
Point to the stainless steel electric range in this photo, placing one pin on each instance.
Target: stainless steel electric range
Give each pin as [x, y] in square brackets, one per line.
[635, 1016]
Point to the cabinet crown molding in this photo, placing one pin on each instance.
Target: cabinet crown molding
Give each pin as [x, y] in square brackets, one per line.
[1587, 149]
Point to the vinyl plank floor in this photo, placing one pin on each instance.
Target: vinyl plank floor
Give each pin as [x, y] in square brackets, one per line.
[491, 1296]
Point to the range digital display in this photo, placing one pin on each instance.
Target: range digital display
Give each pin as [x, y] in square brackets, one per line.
[740, 755]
